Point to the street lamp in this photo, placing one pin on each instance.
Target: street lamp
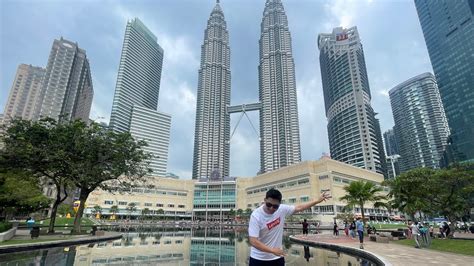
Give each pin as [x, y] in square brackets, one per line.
[393, 159]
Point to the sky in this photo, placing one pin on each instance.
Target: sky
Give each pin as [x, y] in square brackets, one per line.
[390, 32]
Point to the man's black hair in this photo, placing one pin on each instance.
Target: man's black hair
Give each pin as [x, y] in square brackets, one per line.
[274, 194]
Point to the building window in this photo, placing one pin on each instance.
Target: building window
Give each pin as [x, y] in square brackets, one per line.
[122, 203]
[159, 205]
[181, 206]
[109, 202]
[170, 205]
[147, 204]
[292, 200]
[304, 199]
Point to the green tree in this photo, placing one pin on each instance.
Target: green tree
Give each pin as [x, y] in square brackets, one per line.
[97, 210]
[160, 213]
[145, 213]
[37, 147]
[114, 210]
[232, 214]
[358, 193]
[88, 157]
[132, 207]
[64, 209]
[20, 193]
[409, 191]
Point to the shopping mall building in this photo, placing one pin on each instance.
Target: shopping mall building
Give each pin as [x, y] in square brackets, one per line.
[221, 199]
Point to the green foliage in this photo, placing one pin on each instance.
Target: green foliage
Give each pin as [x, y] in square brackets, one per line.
[345, 216]
[75, 154]
[458, 246]
[20, 193]
[64, 209]
[358, 193]
[97, 209]
[4, 226]
[447, 192]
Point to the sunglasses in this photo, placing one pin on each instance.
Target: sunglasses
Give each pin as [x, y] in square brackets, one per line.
[274, 206]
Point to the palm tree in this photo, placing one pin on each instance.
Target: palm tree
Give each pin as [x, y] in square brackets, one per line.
[114, 209]
[360, 192]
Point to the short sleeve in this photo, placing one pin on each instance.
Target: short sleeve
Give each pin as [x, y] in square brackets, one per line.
[254, 228]
[287, 209]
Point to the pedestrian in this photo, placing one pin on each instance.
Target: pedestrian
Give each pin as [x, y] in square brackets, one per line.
[415, 231]
[346, 228]
[446, 230]
[335, 230]
[352, 230]
[305, 227]
[360, 231]
[266, 228]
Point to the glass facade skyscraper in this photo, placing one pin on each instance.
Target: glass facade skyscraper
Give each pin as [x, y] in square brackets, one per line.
[448, 27]
[134, 108]
[139, 74]
[354, 132]
[212, 132]
[279, 125]
[391, 145]
[421, 128]
[66, 92]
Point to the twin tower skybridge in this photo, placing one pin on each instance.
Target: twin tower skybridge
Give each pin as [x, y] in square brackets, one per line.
[243, 109]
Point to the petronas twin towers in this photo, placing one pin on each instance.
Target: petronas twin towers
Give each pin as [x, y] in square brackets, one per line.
[279, 126]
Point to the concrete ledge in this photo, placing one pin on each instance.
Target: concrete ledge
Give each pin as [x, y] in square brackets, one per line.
[7, 235]
[378, 260]
[56, 243]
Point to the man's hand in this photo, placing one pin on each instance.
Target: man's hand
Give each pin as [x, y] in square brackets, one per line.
[324, 197]
[278, 252]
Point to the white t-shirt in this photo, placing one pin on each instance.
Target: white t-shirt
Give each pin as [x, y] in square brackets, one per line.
[268, 229]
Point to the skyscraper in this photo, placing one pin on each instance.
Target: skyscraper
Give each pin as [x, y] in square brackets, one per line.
[448, 27]
[421, 128]
[211, 138]
[354, 132]
[139, 75]
[24, 92]
[67, 91]
[279, 126]
[134, 108]
[391, 145]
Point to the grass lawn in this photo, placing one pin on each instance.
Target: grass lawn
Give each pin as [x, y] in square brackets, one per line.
[27, 241]
[63, 221]
[459, 246]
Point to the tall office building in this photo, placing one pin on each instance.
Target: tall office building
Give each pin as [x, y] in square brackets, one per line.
[212, 133]
[420, 123]
[391, 145]
[448, 27]
[279, 126]
[24, 92]
[134, 108]
[354, 132]
[66, 92]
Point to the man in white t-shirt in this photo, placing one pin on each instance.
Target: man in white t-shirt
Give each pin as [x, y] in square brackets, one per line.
[266, 228]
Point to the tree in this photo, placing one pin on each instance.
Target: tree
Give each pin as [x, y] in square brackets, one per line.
[240, 212]
[346, 216]
[132, 207]
[358, 193]
[37, 147]
[160, 213]
[409, 191]
[64, 209]
[114, 209]
[20, 193]
[72, 153]
[232, 214]
[97, 210]
[145, 213]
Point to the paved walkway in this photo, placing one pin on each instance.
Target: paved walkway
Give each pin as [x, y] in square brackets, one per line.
[397, 254]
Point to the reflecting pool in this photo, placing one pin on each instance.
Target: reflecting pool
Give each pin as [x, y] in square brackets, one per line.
[192, 247]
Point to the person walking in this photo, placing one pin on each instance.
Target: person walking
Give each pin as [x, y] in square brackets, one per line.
[360, 231]
[266, 228]
[352, 230]
[335, 230]
[305, 227]
[415, 231]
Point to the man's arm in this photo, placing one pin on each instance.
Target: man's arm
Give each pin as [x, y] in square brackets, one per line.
[262, 247]
[307, 205]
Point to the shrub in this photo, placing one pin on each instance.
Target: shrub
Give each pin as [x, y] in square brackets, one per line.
[5, 226]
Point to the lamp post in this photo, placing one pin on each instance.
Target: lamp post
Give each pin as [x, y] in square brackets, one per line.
[393, 159]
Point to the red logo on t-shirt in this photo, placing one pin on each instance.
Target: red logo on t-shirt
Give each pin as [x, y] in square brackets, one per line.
[273, 223]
